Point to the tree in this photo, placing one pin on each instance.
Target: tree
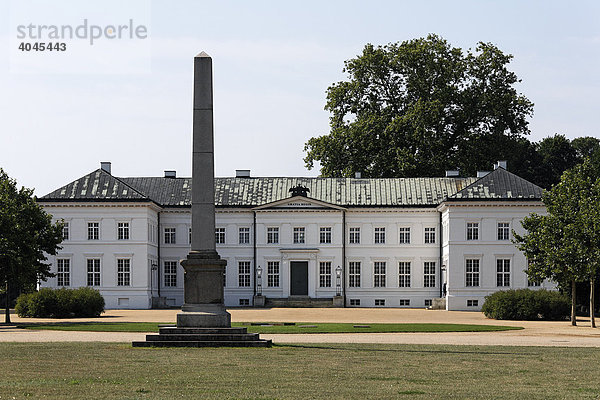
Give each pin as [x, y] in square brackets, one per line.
[27, 234]
[585, 147]
[564, 245]
[556, 155]
[417, 107]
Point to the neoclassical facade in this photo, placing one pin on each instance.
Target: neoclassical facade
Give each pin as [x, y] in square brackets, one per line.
[401, 242]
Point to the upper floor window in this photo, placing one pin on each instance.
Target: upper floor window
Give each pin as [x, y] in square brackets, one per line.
[472, 230]
[472, 272]
[325, 235]
[63, 272]
[379, 274]
[404, 235]
[65, 231]
[273, 235]
[503, 231]
[404, 274]
[244, 235]
[354, 236]
[379, 235]
[299, 236]
[429, 235]
[123, 231]
[429, 274]
[93, 230]
[170, 236]
[219, 235]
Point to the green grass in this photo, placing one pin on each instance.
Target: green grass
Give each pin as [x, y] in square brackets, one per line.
[322, 371]
[309, 327]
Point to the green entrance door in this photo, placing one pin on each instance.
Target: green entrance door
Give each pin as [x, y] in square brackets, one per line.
[299, 278]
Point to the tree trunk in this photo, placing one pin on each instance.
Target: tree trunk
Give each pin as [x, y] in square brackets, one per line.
[7, 304]
[592, 317]
[573, 303]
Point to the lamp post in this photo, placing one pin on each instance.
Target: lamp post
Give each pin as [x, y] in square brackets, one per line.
[259, 281]
[338, 281]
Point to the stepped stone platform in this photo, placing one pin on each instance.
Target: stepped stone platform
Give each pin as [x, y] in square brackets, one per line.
[299, 302]
[171, 336]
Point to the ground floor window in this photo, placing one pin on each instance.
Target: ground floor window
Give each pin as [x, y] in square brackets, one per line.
[171, 273]
[472, 272]
[503, 272]
[472, 303]
[244, 274]
[404, 302]
[123, 272]
[404, 274]
[325, 274]
[354, 274]
[380, 302]
[355, 302]
[533, 283]
[429, 274]
[244, 302]
[273, 274]
[428, 303]
[63, 272]
[93, 272]
[379, 274]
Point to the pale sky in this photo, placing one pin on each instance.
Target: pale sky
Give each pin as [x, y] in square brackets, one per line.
[273, 62]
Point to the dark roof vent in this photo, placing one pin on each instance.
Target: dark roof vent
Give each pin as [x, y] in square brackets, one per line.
[299, 191]
[105, 166]
[242, 173]
[170, 174]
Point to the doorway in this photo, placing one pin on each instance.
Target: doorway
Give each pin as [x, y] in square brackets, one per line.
[299, 278]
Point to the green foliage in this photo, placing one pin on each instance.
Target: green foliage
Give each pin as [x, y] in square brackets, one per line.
[61, 303]
[414, 108]
[526, 304]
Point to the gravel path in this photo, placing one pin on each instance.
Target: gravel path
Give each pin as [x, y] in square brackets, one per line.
[535, 333]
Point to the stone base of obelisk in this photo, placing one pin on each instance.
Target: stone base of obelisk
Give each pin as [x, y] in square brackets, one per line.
[206, 316]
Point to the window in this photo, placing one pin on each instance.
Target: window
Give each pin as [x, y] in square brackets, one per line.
[428, 302]
[123, 231]
[429, 274]
[244, 274]
[472, 303]
[503, 231]
[325, 235]
[244, 235]
[190, 235]
[170, 273]
[354, 274]
[65, 231]
[534, 283]
[472, 230]
[404, 235]
[273, 274]
[219, 235]
[63, 272]
[379, 302]
[354, 237]
[93, 230]
[273, 235]
[429, 235]
[123, 271]
[244, 302]
[299, 235]
[355, 302]
[224, 275]
[472, 270]
[169, 235]
[404, 274]
[404, 302]
[379, 235]
[503, 272]
[325, 274]
[379, 274]
[93, 272]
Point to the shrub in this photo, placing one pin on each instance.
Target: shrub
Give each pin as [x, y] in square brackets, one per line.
[526, 304]
[61, 303]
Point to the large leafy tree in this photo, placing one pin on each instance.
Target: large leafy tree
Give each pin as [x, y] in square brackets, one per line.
[418, 107]
[564, 245]
[27, 234]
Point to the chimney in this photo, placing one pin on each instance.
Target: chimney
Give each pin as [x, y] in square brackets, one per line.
[357, 175]
[105, 166]
[242, 173]
[500, 164]
[481, 174]
[452, 173]
[170, 174]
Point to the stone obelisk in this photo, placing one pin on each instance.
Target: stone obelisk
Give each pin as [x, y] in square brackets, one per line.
[203, 281]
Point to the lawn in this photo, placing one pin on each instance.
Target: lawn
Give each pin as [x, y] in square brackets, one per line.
[300, 327]
[341, 371]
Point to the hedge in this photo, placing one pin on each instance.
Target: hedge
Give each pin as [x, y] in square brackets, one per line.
[61, 303]
[526, 304]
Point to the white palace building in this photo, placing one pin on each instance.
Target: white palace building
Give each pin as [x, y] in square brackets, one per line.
[398, 242]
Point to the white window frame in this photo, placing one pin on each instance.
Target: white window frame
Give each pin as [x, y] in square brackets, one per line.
[66, 234]
[354, 235]
[430, 235]
[472, 272]
[354, 274]
[325, 274]
[404, 274]
[325, 235]
[503, 272]
[244, 273]
[404, 235]
[123, 231]
[379, 235]
[170, 273]
[63, 275]
[93, 269]
[243, 235]
[220, 236]
[379, 274]
[429, 273]
[171, 234]
[299, 235]
[503, 232]
[123, 271]
[273, 271]
[272, 235]
[93, 230]
[472, 230]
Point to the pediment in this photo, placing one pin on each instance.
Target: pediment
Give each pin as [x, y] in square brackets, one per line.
[298, 202]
